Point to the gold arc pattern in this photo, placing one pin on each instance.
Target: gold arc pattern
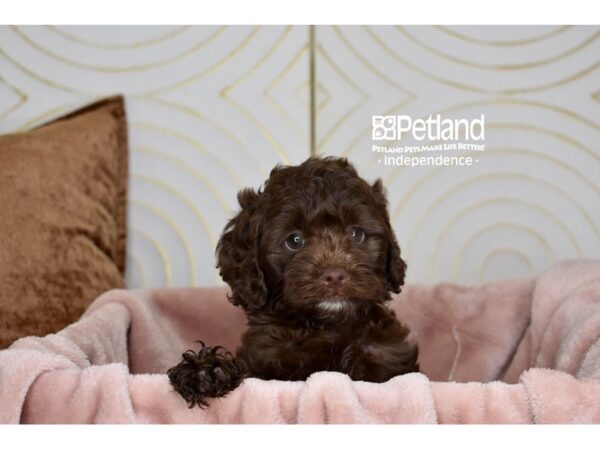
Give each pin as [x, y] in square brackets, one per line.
[517, 152]
[153, 95]
[362, 58]
[315, 41]
[529, 65]
[46, 116]
[313, 85]
[136, 262]
[347, 150]
[364, 96]
[116, 69]
[193, 143]
[280, 76]
[180, 84]
[554, 108]
[323, 99]
[211, 70]
[161, 252]
[185, 243]
[439, 200]
[506, 199]
[498, 250]
[405, 92]
[456, 262]
[505, 100]
[20, 94]
[539, 88]
[204, 118]
[493, 43]
[38, 77]
[225, 93]
[104, 45]
[352, 145]
[184, 199]
[557, 135]
[490, 201]
[210, 187]
[431, 269]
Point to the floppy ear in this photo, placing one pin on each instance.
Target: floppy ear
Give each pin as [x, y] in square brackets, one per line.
[237, 255]
[395, 267]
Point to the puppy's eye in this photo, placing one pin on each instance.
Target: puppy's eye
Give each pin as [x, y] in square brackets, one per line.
[294, 241]
[357, 235]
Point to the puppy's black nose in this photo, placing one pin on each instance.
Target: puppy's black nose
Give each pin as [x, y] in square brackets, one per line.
[334, 276]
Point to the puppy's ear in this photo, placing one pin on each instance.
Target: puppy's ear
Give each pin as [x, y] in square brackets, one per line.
[237, 255]
[395, 267]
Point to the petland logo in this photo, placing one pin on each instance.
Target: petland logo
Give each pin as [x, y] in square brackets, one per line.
[392, 128]
[450, 142]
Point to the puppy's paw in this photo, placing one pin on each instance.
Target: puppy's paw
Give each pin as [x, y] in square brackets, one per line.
[211, 372]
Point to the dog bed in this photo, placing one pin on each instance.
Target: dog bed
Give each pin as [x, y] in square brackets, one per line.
[523, 351]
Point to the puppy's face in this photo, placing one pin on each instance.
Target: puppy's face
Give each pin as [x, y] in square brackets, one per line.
[316, 241]
[324, 243]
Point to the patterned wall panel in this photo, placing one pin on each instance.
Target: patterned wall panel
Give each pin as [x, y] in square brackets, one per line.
[211, 110]
[533, 197]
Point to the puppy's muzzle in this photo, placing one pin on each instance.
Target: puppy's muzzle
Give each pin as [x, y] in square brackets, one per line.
[334, 279]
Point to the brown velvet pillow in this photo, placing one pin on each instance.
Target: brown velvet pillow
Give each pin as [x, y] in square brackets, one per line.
[63, 195]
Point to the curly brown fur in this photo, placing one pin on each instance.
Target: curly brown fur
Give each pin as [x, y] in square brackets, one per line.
[212, 372]
[312, 259]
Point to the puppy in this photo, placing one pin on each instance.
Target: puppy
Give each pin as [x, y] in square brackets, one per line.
[312, 259]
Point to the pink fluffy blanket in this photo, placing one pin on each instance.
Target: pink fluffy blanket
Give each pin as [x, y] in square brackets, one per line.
[508, 352]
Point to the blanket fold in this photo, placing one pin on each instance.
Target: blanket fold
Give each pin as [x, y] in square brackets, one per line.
[524, 351]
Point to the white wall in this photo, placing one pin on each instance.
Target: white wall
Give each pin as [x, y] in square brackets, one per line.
[212, 109]
[534, 196]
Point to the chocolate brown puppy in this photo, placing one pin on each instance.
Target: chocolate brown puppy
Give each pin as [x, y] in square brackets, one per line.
[312, 260]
